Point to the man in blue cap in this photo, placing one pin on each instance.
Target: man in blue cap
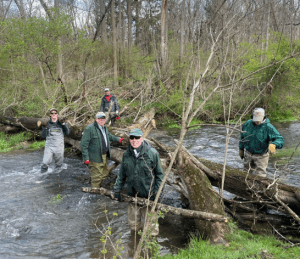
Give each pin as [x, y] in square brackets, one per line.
[95, 149]
[141, 168]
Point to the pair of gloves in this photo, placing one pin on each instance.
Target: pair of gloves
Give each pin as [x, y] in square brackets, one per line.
[271, 150]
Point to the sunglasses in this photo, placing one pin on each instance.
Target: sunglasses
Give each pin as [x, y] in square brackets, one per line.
[134, 137]
[53, 113]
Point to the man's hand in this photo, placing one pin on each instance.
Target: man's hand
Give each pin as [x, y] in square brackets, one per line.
[120, 140]
[241, 153]
[272, 149]
[39, 123]
[62, 119]
[117, 118]
[86, 162]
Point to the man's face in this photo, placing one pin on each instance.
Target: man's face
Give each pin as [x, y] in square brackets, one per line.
[53, 115]
[257, 122]
[135, 141]
[106, 92]
[101, 121]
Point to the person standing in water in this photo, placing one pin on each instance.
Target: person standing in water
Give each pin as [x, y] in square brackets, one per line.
[54, 135]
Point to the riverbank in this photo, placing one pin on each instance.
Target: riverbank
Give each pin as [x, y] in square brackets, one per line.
[242, 244]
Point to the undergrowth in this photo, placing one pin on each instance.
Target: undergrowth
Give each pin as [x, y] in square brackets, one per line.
[242, 245]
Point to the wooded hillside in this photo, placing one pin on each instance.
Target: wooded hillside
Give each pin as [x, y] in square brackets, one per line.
[64, 53]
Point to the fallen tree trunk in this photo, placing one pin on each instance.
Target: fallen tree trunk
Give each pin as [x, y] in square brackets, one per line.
[177, 211]
[202, 198]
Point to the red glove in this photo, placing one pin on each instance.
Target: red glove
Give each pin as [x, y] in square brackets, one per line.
[87, 162]
[117, 118]
[120, 139]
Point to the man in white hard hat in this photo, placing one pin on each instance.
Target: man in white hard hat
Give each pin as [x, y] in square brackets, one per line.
[259, 139]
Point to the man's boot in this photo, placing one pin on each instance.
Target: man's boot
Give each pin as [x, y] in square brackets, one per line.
[44, 168]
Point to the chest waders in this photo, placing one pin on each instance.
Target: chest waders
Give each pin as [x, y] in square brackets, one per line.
[54, 148]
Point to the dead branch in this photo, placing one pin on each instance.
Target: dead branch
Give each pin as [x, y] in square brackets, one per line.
[177, 211]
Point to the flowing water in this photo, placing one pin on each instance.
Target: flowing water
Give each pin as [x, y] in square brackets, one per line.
[47, 215]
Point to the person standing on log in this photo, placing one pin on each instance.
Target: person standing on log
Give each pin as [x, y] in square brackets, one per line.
[255, 139]
[142, 169]
[106, 102]
[54, 135]
[95, 149]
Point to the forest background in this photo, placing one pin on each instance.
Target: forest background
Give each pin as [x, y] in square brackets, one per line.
[150, 53]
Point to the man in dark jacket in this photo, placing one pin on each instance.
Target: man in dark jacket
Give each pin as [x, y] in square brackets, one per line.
[141, 168]
[110, 101]
[259, 139]
[54, 135]
[95, 149]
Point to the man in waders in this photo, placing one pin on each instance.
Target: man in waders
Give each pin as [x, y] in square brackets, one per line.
[54, 135]
[141, 168]
[95, 149]
[110, 101]
[259, 139]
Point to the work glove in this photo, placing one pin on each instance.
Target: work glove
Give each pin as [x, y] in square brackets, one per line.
[62, 119]
[120, 140]
[115, 195]
[39, 123]
[241, 153]
[272, 149]
[117, 118]
[86, 162]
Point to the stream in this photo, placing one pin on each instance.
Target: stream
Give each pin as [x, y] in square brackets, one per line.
[47, 215]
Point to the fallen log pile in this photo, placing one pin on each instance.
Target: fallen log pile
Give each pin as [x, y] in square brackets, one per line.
[257, 199]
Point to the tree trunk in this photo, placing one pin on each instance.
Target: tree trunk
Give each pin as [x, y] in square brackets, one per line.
[203, 198]
[103, 23]
[114, 42]
[164, 43]
[129, 15]
[137, 22]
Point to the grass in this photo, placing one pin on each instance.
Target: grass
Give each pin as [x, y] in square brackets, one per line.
[9, 142]
[242, 245]
[18, 141]
[37, 144]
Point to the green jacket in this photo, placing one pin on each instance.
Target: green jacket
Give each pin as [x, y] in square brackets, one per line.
[141, 173]
[91, 143]
[257, 138]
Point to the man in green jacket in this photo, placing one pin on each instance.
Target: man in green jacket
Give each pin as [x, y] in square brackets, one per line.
[95, 149]
[141, 168]
[259, 138]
